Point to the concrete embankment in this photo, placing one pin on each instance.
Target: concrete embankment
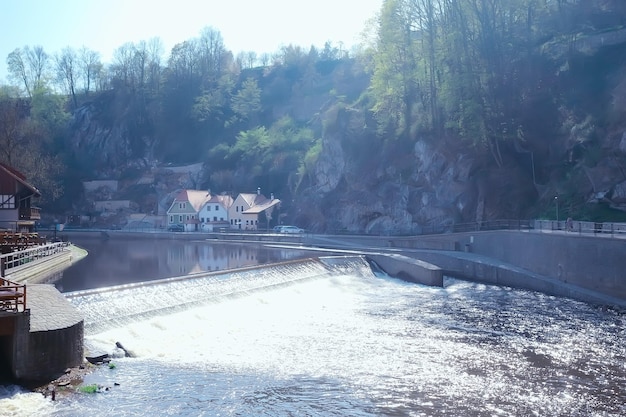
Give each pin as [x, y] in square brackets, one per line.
[586, 268]
[40, 343]
[409, 269]
[43, 269]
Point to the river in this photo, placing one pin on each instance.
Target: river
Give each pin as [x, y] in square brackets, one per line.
[306, 341]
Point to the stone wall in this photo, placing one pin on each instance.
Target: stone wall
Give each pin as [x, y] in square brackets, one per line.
[43, 356]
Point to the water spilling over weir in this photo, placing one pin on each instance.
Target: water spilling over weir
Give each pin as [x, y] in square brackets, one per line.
[119, 305]
[328, 337]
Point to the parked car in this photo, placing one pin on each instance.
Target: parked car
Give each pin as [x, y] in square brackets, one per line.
[291, 229]
[176, 228]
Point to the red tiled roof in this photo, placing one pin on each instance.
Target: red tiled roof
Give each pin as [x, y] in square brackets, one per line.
[262, 206]
[18, 176]
[194, 197]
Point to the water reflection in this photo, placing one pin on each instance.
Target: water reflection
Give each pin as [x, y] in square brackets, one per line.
[116, 261]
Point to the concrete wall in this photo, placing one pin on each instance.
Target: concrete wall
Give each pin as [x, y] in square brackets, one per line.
[483, 269]
[43, 356]
[46, 339]
[409, 269]
[596, 263]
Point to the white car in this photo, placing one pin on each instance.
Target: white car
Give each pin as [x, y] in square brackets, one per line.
[290, 229]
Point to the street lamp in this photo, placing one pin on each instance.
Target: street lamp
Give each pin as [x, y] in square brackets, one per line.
[556, 201]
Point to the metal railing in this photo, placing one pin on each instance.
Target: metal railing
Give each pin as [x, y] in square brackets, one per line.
[12, 296]
[582, 227]
[14, 260]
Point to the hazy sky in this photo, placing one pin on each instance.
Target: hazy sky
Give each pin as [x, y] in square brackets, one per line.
[245, 25]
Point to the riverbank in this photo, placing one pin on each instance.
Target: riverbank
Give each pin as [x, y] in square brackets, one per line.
[66, 384]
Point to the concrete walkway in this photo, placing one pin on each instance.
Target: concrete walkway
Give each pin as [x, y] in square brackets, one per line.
[49, 309]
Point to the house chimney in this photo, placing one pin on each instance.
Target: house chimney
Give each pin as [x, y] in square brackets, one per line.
[271, 196]
[258, 191]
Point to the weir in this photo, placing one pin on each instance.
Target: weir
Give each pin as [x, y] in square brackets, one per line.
[47, 336]
[117, 306]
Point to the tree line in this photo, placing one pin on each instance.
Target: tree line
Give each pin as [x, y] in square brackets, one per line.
[470, 71]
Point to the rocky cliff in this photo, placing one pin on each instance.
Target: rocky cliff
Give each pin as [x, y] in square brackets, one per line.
[364, 182]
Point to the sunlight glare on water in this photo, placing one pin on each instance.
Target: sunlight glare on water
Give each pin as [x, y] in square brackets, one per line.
[362, 346]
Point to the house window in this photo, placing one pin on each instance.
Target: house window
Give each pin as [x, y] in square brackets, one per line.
[7, 202]
[202, 220]
[217, 207]
[180, 218]
[208, 208]
[242, 208]
[221, 219]
[237, 209]
[214, 218]
[171, 219]
[187, 217]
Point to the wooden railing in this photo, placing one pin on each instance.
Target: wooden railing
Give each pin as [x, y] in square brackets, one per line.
[12, 296]
[12, 241]
[30, 213]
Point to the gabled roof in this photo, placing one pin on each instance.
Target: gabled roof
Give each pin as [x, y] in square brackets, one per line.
[253, 199]
[196, 198]
[225, 200]
[262, 206]
[19, 177]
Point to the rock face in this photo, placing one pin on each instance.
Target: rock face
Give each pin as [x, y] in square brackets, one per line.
[356, 189]
[363, 181]
[107, 144]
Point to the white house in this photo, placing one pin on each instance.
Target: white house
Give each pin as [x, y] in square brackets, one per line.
[214, 213]
[244, 213]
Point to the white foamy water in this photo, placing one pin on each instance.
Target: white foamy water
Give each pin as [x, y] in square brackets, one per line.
[348, 345]
[15, 401]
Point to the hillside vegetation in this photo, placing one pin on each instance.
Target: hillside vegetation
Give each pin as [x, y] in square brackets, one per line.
[454, 111]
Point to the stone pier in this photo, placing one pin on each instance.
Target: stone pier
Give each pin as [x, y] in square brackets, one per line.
[40, 343]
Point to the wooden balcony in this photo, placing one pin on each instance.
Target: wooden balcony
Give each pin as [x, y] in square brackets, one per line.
[12, 296]
[32, 213]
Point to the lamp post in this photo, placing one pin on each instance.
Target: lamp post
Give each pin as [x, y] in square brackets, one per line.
[556, 201]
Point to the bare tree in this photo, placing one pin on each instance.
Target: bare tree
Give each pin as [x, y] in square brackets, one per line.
[155, 56]
[18, 71]
[251, 59]
[39, 62]
[29, 67]
[67, 70]
[212, 50]
[265, 59]
[122, 66]
[90, 68]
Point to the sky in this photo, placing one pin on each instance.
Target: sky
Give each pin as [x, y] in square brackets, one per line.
[245, 25]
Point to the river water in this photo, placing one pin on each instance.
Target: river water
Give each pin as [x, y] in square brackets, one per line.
[308, 340]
